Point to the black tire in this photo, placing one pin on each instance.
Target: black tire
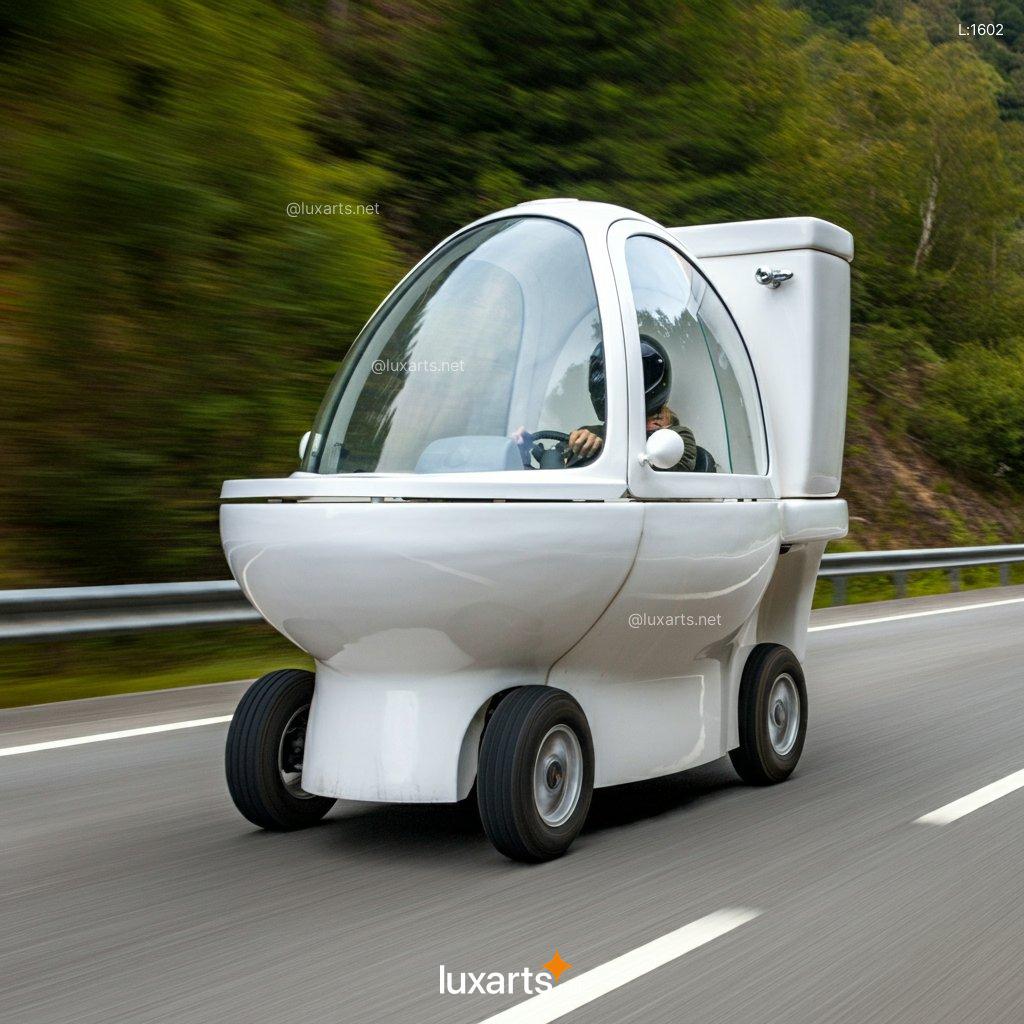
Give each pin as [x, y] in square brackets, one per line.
[510, 814]
[758, 759]
[251, 758]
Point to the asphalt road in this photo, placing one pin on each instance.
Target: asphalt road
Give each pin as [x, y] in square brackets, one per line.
[130, 889]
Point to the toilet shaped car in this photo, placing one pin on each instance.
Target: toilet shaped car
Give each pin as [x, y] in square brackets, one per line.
[557, 524]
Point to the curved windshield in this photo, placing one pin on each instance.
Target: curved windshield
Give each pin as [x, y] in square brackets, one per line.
[713, 392]
[489, 358]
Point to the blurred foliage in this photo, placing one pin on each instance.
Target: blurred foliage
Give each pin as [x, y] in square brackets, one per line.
[166, 324]
[670, 108]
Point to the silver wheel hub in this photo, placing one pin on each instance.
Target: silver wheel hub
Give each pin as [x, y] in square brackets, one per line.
[290, 753]
[558, 775]
[783, 714]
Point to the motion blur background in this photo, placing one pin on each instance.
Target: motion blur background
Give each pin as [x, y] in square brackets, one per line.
[166, 324]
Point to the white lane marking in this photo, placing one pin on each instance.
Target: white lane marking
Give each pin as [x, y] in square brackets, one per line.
[971, 802]
[915, 615]
[100, 737]
[570, 995]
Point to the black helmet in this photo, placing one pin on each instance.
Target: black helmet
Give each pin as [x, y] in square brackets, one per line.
[657, 373]
[596, 380]
[657, 376]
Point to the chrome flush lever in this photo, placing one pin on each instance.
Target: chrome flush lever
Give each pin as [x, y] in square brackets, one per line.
[771, 278]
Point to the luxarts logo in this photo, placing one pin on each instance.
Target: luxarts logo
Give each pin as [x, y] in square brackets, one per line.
[501, 983]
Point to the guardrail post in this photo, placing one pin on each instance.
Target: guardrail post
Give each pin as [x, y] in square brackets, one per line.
[954, 579]
[899, 580]
[1004, 574]
[839, 590]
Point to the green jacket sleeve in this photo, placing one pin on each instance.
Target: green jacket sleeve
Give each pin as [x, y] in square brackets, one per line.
[689, 460]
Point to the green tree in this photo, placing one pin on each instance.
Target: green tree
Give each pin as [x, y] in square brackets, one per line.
[901, 142]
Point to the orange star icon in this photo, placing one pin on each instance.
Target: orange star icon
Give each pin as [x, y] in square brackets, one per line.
[557, 966]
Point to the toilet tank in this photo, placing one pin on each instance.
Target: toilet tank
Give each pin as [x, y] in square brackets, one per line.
[798, 335]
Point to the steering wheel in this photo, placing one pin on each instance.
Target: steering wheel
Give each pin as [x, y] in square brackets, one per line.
[555, 456]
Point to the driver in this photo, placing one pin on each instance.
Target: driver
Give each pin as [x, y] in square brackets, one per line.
[586, 442]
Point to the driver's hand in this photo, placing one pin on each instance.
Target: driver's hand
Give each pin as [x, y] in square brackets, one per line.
[521, 436]
[585, 443]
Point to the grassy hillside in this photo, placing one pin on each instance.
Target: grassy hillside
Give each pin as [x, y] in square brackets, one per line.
[900, 496]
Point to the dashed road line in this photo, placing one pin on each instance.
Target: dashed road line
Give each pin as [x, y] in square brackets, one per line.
[101, 737]
[570, 995]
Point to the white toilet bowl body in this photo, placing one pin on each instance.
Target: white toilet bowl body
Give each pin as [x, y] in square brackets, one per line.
[418, 613]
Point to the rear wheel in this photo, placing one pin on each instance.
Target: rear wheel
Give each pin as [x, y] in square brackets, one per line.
[536, 774]
[263, 758]
[772, 716]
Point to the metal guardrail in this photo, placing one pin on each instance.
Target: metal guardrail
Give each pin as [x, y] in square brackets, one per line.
[66, 612]
[83, 611]
[899, 564]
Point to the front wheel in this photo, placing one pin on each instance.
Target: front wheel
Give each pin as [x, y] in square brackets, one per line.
[536, 774]
[772, 716]
[263, 759]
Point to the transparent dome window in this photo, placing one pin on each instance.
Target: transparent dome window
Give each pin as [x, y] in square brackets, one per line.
[473, 362]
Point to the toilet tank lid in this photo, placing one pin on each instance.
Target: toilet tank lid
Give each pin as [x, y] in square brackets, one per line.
[752, 236]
